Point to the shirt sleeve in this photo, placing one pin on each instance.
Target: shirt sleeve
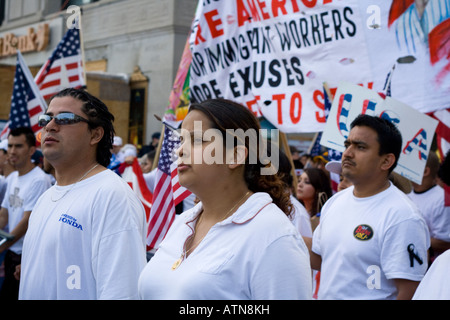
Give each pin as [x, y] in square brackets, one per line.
[404, 250]
[119, 263]
[38, 188]
[440, 226]
[283, 272]
[119, 246]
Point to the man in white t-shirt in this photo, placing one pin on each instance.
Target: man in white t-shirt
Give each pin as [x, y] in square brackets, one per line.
[25, 186]
[429, 197]
[86, 236]
[371, 242]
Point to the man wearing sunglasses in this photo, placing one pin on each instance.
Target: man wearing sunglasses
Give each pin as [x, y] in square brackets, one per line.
[86, 238]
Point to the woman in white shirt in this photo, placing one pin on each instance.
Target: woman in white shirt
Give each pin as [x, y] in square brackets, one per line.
[238, 242]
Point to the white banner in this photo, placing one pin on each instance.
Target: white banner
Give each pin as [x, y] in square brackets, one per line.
[274, 56]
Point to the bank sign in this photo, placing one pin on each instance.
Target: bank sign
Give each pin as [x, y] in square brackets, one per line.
[34, 40]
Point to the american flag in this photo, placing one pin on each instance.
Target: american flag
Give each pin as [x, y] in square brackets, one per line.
[26, 101]
[167, 193]
[64, 69]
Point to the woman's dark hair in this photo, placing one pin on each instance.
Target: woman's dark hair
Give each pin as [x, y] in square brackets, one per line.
[321, 183]
[228, 115]
[98, 116]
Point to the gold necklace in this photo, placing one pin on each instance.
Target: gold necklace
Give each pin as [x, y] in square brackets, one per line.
[185, 252]
[75, 183]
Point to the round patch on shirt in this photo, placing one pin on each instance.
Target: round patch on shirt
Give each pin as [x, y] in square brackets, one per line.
[363, 232]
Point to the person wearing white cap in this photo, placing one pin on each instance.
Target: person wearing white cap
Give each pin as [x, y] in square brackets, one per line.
[5, 166]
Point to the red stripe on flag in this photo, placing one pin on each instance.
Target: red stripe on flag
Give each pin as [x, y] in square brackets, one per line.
[163, 206]
[74, 78]
[35, 111]
[48, 96]
[182, 196]
[54, 70]
[50, 84]
[71, 66]
[35, 128]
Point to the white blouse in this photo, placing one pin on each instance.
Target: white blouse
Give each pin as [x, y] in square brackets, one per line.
[256, 254]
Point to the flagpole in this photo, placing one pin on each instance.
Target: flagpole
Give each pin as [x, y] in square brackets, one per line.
[82, 49]
[328, 91]
[30, 80]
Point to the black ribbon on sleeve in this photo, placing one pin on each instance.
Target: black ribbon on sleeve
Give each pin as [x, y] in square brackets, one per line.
[413, 256]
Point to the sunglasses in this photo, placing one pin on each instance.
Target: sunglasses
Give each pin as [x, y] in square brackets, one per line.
[61, 119]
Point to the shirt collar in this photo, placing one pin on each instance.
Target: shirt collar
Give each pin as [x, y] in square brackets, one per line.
[246, 212]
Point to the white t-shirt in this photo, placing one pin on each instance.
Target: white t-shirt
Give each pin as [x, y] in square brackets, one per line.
[301, 218]
[88, 245]
[436, 283]
[365, 243]
[432, 206]
[150, 179]
[257, 253]
[22, 193]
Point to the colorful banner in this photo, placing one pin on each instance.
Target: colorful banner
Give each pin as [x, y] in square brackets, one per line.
[274, 56]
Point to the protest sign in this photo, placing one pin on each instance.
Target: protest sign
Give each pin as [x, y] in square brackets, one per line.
[417, 129]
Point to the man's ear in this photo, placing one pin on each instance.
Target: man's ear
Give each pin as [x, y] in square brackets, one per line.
[427, 171]
[32, 150]
[388, 161]
[97, 135]
[239, 156]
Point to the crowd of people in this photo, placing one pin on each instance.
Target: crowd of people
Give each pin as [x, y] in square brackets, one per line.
[80, 230]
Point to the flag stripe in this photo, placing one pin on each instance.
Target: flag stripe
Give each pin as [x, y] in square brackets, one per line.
[53, 77]
[26, 101]
[167, 194]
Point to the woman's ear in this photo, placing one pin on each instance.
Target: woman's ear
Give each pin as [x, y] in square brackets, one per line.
[239, 156]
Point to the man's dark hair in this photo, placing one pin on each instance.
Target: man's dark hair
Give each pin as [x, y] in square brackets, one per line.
[27, 131]
[389, 137]
[98, 116]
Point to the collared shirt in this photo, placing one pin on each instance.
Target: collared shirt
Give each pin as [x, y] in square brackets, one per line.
[256, 253]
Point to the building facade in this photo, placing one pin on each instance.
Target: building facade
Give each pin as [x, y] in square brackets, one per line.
[132, 51]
